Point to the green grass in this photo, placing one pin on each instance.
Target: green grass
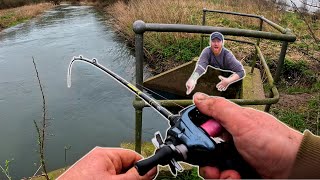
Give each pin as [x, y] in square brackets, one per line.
[296, 77]
[19, 21]
[11, 19]
[312, 87]
[292, 19]
[14, 16]
[301, 118]
[314, 103]
[185, 175]
[7, 16]
[297, 90]
[291, 66]
[52, 174]
[293, 119]
[316, 86]
[168, 47]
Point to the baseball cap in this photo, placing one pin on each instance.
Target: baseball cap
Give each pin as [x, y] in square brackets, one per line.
[216, 35]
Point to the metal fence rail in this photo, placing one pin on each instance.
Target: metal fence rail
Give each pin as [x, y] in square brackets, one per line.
[285, 36]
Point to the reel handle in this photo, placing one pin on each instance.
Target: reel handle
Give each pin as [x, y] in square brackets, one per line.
[162, 156]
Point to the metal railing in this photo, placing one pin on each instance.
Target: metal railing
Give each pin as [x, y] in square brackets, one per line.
[140, 27]
[262, 19]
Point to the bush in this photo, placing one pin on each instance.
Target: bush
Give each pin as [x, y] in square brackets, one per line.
[293, 69]
[298, 73]
[177, 49]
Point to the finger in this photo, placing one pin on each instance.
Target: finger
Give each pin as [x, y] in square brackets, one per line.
[133, 174]
[189, 90]
[230, 174]
[209, 172]
[220, 87]
[153, 173]
[125, 158]
[223, 111]
[221, 77]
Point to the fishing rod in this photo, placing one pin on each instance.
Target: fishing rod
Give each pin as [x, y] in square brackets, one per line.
[188, 139]
[167, 114]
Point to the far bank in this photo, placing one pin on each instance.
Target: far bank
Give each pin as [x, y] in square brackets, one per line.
[13, 16]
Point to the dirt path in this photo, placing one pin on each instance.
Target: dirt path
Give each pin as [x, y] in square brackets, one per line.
[293, 101]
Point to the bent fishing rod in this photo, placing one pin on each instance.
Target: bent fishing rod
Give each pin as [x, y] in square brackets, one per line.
[167, 114]
[188, 139]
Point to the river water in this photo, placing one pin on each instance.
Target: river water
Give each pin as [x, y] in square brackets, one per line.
[95, 111]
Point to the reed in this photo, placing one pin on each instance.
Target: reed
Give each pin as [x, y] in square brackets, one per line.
[185, 12]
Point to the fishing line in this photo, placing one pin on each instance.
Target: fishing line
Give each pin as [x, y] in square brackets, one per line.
[148, 100]
[153, 92]
[113, 75]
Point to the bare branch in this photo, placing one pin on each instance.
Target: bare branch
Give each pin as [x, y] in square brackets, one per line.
[41, 132]
[311, 5]
[304, 19]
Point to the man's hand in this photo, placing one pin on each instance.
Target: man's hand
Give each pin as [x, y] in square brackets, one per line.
[107, 163]
[191, 83]
[223, 84]
[266, 143]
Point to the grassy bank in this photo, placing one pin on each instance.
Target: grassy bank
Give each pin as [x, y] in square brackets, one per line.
[14, 16]
[163, 51]
[6, 4]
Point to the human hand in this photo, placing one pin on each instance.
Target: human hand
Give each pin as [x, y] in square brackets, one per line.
[267, 144]
[107, 163]
[191, 83]
[223, 84]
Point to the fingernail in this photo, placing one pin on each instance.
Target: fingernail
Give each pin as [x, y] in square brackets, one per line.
[201, 96]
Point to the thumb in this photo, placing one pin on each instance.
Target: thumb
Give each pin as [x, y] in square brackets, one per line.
[222, 110]
[188, 91]
[221, 78]
[190, 87]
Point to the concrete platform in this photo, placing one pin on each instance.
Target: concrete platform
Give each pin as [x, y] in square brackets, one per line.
[174, 80]
[252, 87]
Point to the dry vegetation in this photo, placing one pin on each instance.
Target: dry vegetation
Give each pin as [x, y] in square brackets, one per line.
[13, 16]
[190, 12]
[165, 50]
